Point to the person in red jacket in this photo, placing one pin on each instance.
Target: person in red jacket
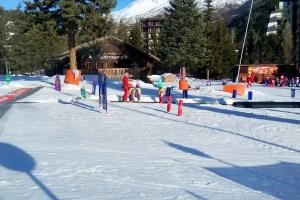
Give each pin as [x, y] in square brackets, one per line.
[125, 86]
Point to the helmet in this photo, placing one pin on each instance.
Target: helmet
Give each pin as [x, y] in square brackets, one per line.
[138, 84]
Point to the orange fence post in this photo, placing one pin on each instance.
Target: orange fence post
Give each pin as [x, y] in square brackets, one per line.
[239, 88]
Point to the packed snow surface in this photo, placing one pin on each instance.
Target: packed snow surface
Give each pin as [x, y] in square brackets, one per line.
[53, 149]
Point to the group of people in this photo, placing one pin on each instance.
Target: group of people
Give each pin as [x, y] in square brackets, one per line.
[131, 93]
[282, 81]
[249, 80]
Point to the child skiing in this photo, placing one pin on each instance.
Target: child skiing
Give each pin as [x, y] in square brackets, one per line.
[138, 91]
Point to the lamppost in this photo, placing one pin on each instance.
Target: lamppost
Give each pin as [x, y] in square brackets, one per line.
[242, 53]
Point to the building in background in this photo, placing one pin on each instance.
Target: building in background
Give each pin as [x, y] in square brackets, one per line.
[151, 28]
[287, 10]
[110, 55]
[297, 31]
[281, 13]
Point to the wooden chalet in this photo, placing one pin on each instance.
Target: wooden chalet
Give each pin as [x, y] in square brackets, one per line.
[112, 56]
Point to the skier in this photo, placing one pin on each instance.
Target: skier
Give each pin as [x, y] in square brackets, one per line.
[281, 81]
[125, 86]
[249, 81]
[131, 93]
[161, 93]
[138, 91]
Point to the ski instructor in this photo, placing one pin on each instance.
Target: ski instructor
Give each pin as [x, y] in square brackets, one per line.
[125, 86]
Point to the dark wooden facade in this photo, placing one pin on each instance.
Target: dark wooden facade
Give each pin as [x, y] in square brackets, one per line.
[112, 56]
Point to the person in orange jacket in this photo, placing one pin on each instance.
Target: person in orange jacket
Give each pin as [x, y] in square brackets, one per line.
[125, 86]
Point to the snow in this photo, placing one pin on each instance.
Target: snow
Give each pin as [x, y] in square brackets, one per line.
[52, 150]
[150, 8]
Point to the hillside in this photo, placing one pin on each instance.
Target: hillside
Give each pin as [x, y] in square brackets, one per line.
[148, 8]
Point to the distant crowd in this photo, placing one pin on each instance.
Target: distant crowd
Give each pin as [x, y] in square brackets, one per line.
[282, 81]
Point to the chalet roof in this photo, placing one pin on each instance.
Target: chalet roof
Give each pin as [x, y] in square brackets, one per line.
[100, 40]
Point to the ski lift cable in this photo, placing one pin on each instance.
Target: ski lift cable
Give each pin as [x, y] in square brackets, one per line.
[244, 42]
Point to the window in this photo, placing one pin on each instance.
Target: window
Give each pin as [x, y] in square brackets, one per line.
[88, 65]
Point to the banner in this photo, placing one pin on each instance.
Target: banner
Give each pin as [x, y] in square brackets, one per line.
[104, 92]
[100, 77]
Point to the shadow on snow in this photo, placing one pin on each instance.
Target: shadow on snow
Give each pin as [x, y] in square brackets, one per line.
[280, 180]
[244, 114]
[15, 159]
[211, 128]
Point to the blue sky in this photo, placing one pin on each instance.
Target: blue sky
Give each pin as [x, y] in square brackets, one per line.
[12, 4]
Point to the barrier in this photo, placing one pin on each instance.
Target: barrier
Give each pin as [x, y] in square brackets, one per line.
[239, 88]
[168, 93]
[13, 95]
[293, 93]
[180, 105]
[169, 104]
[265, 104]
[183, 85]
[6, 98]
[57, 85]
[234, 93]
[72, 78]
[250, 95]
[161, 96]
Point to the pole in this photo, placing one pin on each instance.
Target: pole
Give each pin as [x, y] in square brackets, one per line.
[104, 92]
[245, 38]
[6, 67]
[100, 88]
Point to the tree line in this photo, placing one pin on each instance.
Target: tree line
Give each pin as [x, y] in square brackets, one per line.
[198, 40]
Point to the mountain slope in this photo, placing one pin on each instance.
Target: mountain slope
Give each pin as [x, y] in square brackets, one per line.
[148, 8]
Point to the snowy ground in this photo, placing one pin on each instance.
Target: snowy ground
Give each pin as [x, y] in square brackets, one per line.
[52, 150]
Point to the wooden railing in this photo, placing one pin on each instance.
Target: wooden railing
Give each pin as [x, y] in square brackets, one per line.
[117, 73]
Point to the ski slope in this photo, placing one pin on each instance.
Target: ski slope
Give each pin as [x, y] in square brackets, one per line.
[52, 150]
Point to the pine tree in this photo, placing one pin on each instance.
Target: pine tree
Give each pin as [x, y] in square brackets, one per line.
[250, 55]
[287, 43]
[135, 37]
[122, 31]
[32, 47]
[70, 16]
[182, 41]
[208, 17]
[3, 38]
[271, 49]
[223, 51]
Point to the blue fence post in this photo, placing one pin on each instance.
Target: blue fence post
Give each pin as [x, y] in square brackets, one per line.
[104, 92]
[94, 87]
[293, 93]
[234, 93]
[168, 93]
[250, 95]
[100, 87]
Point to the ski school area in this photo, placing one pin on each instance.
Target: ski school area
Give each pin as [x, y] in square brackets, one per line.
[61, 141]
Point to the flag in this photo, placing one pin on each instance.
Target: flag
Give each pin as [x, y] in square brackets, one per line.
[57, 83]
[82, 90]
[104, 92]
[100, 77]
